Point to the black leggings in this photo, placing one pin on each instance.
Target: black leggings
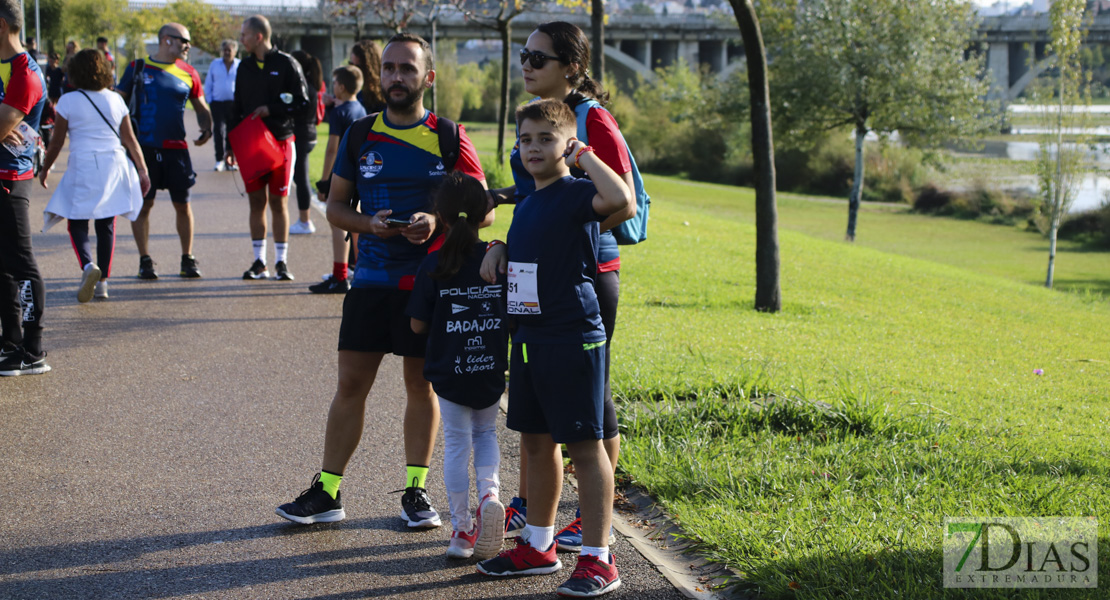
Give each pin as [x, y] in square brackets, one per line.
[300, 174]
[608, 289]
[105, 243]
[22, 293]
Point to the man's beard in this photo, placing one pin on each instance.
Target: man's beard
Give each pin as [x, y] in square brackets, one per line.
[411, 98]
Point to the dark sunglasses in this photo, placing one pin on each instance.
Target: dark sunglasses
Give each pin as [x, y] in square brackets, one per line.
[537, 58]
[181, 39]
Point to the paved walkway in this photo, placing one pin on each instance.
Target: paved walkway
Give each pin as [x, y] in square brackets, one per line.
[181, 412]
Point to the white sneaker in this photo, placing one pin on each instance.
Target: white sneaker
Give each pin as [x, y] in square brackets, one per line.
[462, 543]
[89, 277]
[101, 289]
[235, 167]
[491, 527]
[302, 228]
[220, 166]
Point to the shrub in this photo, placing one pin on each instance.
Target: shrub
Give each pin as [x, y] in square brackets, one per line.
[1091, 227]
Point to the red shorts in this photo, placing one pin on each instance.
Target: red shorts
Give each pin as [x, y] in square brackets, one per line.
[280, 178]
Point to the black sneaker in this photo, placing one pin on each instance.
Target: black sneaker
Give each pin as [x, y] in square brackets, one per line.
[281, 272]
[189, 266]
[22, 362]
[146, 268]
[257, 271]
[416, 509]
[330, 285]
[314, 505]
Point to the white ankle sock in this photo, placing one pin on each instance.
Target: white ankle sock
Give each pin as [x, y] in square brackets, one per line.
[259, 250]
[281, 251]
[601, 553]
[539, 538]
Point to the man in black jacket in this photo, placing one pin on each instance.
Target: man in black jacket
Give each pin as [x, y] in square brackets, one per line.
[269, 86]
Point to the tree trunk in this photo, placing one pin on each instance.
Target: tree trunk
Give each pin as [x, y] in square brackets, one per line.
[768, 297]
[503, 110]
[857, 185]
[597, 23]
[1058, 186]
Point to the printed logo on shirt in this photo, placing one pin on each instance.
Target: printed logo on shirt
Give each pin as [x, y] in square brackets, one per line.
[474, 292]
[286, 97]
[475, 343]
[370, 165]
[458, 308]
[274, 73]
[476, 325]
[148, 79]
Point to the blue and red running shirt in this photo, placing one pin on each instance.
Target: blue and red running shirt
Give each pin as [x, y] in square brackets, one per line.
[398, 169]
[166, 89]
[23, 88]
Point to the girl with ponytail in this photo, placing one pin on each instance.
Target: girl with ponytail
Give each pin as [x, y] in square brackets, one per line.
[466, 359]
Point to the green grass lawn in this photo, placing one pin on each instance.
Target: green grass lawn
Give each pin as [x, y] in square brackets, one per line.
[921, 337]
[818, 450]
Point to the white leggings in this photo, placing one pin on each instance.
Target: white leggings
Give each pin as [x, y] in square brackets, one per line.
[465, 428]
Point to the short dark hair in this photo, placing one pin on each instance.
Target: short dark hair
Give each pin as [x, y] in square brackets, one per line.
[12, 12]
[102, 40]
[89, 70]
[53, 56]
[348, 76]
[429, 58]
[555, 112]
[259, 24]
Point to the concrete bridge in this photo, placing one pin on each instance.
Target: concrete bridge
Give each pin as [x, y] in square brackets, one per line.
[1016, 49]
[635, 45]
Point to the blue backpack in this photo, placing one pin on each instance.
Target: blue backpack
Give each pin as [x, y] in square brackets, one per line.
[634, 230]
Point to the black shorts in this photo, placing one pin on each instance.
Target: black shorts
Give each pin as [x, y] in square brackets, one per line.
[557, 389]
[374, 320]
[169, 168]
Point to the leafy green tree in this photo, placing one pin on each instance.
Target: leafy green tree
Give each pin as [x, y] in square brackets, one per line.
[879, 66]
[208, 26]
[1060, 166]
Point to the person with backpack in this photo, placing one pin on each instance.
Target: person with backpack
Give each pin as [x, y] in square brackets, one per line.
[157, 88]
[554, 63]
[466, 368]
[99, 183]
[401, 156]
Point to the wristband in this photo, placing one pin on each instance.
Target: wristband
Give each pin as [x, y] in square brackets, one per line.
[582, 151]
[490, 245]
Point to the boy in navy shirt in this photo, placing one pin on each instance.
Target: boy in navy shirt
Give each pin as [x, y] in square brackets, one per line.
[557, 365]
[346, 81]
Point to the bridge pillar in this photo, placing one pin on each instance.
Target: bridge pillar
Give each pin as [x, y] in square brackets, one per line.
[688, 51]
[998, 61]
[638, 49]
[714, 54]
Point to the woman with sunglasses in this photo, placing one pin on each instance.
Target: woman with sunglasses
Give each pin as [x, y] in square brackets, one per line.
[554, 63]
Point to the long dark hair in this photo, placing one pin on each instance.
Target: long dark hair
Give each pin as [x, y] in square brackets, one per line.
[370, 55]
[313, 72]
[572, 46]
[461, 205]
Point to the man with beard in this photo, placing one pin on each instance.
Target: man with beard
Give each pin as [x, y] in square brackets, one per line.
[269, 85]
[398, 167]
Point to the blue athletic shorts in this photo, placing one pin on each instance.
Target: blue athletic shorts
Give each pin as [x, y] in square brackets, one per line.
[557, 389]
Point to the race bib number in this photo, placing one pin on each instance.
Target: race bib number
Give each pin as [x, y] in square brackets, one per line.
[524, 298]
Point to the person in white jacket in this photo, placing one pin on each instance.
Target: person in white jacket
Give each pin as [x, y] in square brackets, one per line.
[99, 183]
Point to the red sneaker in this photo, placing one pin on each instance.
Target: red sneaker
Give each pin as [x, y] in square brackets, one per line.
[591, 578]
[522, 560]
[462, 543]
[491, 514]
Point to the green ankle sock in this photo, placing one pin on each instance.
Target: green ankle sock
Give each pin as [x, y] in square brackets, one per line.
[331, 483]
[415, 475]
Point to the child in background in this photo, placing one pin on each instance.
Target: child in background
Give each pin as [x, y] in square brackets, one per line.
[464, 318]
[557, 366]
[345, 82]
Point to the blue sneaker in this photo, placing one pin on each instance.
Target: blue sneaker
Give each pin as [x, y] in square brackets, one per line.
[570, 538]
[515, 517]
